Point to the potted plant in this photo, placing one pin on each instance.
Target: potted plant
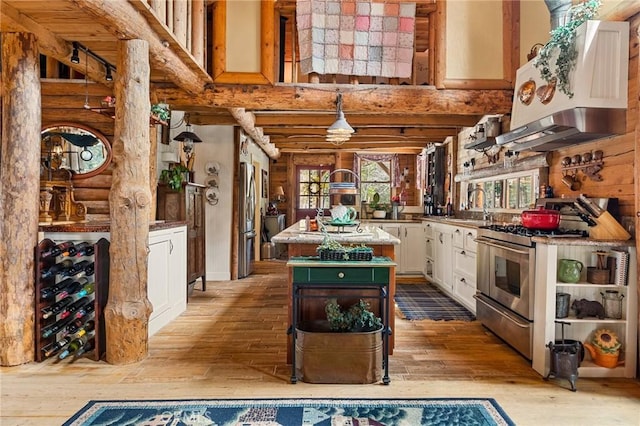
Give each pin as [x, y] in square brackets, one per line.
[562, 45]
[345, 348]
[174, 176]
[161, 113]
[379, 209]
[330, 249]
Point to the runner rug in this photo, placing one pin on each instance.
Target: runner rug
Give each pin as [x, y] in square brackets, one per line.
[294, 412]
[426, 301]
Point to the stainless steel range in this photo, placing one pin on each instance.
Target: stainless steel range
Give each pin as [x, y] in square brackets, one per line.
[505, 267]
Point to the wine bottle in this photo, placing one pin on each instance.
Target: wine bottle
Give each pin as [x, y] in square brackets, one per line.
[73, 326]
[88, 327]
[54, 347]
[74, 346]
[84, 249]
[55, 308]
[75, 306]
[58, 268]
[50, 292]
[54, 328]
[86, 310]
[91, 343]
[74, 288]
[63, 249]
[85, 266]
[86, 289]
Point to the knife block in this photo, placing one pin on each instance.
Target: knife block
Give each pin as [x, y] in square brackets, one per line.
[608, 228]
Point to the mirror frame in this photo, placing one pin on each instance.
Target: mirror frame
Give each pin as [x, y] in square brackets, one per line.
[102, 138]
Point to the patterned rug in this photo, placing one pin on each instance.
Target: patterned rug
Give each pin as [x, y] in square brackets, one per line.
[294, 412]
[426, 301]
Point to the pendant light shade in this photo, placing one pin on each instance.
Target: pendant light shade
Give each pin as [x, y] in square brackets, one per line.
[340, 131]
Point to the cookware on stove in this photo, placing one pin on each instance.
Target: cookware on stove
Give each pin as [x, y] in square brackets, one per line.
[541, 218]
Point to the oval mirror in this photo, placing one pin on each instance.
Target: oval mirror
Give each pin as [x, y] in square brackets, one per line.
[83, 151]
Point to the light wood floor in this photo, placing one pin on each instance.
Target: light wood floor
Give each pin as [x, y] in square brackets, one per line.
[230, 343]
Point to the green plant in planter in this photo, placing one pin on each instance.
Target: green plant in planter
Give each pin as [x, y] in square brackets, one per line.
[357, 318]
[174, 176]
[563, 40]
[161, 111]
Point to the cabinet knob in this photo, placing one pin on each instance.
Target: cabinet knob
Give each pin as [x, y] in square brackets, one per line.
[469, 234]
[457, 231]
[340, 274]
[462, 252]
[462, 280]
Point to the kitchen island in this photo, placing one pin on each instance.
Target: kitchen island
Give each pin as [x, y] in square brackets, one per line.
[303, 243]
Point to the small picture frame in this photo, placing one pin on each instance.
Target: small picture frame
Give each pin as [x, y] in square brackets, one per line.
[265, 184]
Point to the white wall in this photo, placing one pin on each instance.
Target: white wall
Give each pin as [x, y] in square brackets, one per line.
[217, 145]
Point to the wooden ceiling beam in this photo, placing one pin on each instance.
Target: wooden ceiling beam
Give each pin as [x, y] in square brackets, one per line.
[124, 21]
[283, 119]
[49, 44]
[395, 132]
[379, 99]
[248, 123]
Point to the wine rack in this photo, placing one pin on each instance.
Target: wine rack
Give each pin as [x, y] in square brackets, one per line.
[93, 265]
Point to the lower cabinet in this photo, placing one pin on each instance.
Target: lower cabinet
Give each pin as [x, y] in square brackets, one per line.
[450, 261]
[411, 251]
[166, 283]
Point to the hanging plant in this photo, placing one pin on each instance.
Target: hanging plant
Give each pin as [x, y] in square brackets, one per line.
[563, 39]
[161, 111]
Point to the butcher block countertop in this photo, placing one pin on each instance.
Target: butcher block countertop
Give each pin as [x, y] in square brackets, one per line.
[363, 234]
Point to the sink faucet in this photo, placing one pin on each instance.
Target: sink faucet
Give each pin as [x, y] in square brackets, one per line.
[485, 213]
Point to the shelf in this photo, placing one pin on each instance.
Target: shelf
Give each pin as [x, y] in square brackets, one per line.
[588, 285]
[591, 320]
[589, 369]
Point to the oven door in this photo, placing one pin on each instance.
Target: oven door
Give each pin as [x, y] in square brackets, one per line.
[506, 274]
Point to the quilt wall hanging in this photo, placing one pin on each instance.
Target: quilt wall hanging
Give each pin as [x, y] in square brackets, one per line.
[356, 37]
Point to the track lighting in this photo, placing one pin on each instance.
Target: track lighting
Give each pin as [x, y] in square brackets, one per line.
[75, 58]
[74, 55]
[107, 75]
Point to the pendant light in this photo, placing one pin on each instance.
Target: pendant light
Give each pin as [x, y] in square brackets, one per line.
[188, 138]
[340, 131]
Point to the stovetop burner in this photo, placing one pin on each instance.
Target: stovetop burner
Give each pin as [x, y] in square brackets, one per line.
[526, 232]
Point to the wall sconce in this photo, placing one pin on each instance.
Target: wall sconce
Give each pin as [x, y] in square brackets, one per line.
[279, 194]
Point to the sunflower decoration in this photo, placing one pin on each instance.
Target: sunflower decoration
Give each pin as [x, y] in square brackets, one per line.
[606, 341]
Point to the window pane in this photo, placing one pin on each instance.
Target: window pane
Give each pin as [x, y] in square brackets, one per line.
[498, 194]
[314, 175]
[525, 189]
[512, 193]
[488, 189]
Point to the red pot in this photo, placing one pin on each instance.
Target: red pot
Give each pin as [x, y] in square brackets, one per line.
[541, 218]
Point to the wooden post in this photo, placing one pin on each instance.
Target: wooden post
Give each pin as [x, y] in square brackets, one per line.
[180, 22]
[153, 166]
[19, 197]
[128, 308]
[198, 31]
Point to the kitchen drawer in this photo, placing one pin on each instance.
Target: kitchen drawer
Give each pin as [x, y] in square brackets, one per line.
[464, 262]
[428, 230]
[338, 275]
[464, 289]
[470, 240]
[458, 237]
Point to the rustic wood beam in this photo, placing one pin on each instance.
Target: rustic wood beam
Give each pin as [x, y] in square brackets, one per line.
[247, 121]
[125, 22]
[398, 133]
[128, 308]
[51, 45]
[285, 119]
[20, 194]
[381, 99]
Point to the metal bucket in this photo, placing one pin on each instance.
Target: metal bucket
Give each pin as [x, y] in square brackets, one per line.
[267, 250]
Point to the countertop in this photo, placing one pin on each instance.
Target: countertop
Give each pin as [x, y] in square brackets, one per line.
[103, 226]
[583, 242]
[370, 234]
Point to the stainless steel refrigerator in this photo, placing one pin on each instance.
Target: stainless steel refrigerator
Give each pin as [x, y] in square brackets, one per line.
[247, 232]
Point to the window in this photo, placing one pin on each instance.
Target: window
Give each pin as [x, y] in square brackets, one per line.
[375, 176]
[515, 191]
[313, 190]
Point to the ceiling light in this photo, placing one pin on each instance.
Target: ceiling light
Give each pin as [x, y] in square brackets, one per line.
[188, 138]
[74, 55]
[340, 131]
[107, 75]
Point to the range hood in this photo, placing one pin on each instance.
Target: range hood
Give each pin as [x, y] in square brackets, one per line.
[545, 119]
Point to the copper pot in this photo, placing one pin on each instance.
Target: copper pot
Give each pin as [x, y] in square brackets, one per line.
[541, 218]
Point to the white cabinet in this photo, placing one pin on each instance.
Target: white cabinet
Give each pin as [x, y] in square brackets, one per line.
[443, 253]
[464, 266]
[410, 253]
[428, 251]
[166, 282]
[546, 329]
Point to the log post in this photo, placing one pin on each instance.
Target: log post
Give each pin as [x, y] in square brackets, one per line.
[153, 167]
[19, 197]
[128, 308]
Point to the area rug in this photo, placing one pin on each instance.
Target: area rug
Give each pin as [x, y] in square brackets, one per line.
[294, 412]
[426, 301]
